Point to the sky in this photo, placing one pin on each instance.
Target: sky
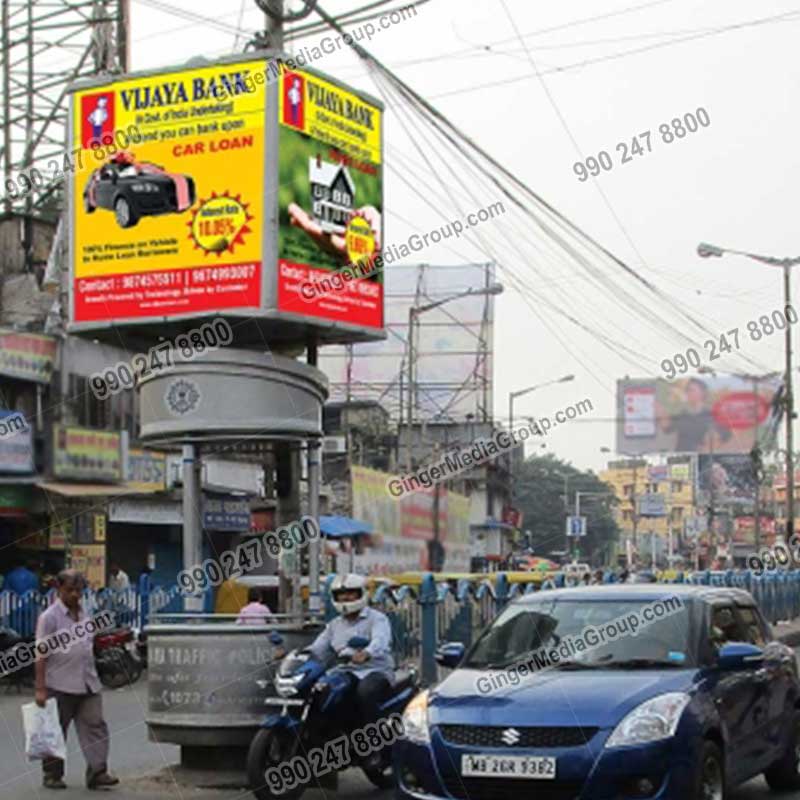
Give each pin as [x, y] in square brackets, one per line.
[540, 87]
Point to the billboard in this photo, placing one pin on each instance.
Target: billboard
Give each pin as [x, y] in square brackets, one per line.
[190, 186]
[727, 478]
[403, 527]
[453, 347]
[696, 415]
[330, 199]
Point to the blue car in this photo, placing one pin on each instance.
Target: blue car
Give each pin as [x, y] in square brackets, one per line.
[607, 693]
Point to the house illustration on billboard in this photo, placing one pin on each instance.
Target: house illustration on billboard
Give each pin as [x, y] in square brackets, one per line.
[332, 194]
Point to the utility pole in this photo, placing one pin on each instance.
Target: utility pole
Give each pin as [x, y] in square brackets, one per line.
[274, 27]
[787, 301]
[705, 250]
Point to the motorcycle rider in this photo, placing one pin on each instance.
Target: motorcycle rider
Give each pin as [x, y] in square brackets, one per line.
[373, 666]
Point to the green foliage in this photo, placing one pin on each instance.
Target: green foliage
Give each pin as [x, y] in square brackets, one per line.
[539, 485]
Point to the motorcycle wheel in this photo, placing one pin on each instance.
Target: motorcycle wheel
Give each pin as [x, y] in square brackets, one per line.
[270, 748]
[381, 777]
[118, 669]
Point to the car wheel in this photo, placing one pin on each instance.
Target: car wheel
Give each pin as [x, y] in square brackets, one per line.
[784, 775]
[710, 775]
[125, 215]
[87, 205]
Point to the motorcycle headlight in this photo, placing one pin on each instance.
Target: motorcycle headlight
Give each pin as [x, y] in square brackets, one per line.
[287, 686]
[653, 720]
[415, 720]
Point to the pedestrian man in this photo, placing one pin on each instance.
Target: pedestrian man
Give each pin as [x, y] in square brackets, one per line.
[69, 675]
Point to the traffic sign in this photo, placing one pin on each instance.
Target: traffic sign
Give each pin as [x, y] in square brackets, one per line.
[576, 526]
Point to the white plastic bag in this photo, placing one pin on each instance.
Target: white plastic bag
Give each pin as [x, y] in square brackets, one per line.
[43, 735]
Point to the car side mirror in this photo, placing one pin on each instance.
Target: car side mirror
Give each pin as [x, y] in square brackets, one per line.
[739, 655]
[450, 654]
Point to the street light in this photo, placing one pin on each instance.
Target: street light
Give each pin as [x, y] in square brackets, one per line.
[705, 250]
[511, 398]
[413, 313]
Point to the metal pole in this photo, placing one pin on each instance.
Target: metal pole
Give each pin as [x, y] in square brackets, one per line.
[756, 471]
[192, 541]
[789, 411]
[577, 514]
[315, 545]
[274, 29]
[511, 456]
[410, 434]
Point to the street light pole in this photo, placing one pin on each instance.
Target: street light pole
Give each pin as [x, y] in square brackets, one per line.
[512, 396]
[705, 250]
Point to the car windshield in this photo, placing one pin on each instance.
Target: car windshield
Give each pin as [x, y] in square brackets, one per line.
[588, 633]
[128, 172]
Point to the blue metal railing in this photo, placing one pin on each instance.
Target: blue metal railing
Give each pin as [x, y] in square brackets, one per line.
[422, 616]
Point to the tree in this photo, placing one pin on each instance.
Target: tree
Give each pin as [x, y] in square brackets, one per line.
[540, 496]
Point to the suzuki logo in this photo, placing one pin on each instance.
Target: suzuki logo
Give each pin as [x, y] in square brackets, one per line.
[510, 736]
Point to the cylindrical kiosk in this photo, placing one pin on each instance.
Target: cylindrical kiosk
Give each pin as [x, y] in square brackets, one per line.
[208, 679]
[204, 669]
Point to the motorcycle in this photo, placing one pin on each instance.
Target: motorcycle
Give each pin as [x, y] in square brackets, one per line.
[316, 705]
[22, 676]
[116, 658]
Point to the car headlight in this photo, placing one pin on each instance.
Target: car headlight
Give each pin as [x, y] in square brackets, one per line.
[415, 720]
[653, 720]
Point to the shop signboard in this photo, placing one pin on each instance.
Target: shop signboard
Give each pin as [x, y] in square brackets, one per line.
[146, 470]
[86, 455]
[90, 559]
[27, 356]
[16, 444]
[651, 504]
[680, 472]
[172, 199]
[226, 513]
[145, 512]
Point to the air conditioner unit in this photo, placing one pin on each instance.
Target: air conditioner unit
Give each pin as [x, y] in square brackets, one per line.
[334, 444]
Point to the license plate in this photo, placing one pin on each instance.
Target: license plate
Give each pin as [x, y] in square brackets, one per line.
[489, 766]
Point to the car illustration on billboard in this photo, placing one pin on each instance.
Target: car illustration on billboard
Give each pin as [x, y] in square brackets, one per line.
[133, 189]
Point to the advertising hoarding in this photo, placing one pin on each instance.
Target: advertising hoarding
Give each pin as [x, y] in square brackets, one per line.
[192, 185]
[724, 414]
[727, 478]
[403, 527]
[86, 455]
[172, 224]
[330, 198]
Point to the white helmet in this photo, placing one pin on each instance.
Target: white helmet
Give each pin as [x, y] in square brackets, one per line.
[349, 583]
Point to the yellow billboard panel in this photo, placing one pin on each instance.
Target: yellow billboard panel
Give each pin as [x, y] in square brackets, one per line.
[168, 193]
